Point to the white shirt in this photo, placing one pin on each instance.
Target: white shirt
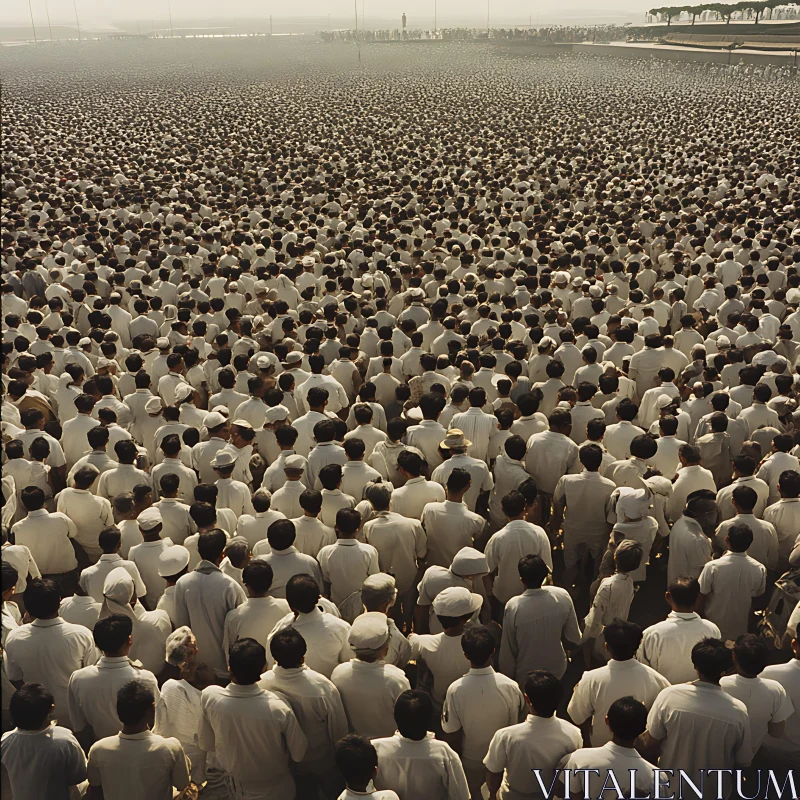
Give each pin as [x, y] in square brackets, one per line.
[550, 455]
[766, 702]
[730, 583]
[48, 651]
[90, 514]
[479, 428]
[47, 537]
[92, 698]
[318, 708]
[121, 480]
[285, 564]
[700, 728]
[138, 766]
[178, 715]
[788, 675]
[326, 637]
[93, 578]
[369, 692]
[80, 610]
[534, 625]
[599, 688]
[540, 741]
[444, 657]
[146, 556]
[410, 500]
[311, 535]
[482, 480]
[618, 438]
[427, 769]
[177, 524]
[43, 763]
[506, 548]
[481, 703]
[73, 437]
[689, 550]
[346, 565]
[667, 646]
[253, 619]
[449, 527]
[401, 543]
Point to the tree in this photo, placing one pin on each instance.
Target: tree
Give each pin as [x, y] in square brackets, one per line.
[668, 12]
[696, 11]
[724, 10]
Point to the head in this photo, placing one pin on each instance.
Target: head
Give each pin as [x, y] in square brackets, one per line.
[478, 645]
[357, 760]
[288, 648]
[627, 720]
[247, 659]
[136, 705]
[712, 659]
[544, 692]
[682, 594]
[622, 639]
[412, 711]
[31, 706]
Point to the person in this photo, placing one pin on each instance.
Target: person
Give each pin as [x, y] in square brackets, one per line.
[257, 756]
[535, 625]
[40, 758]
[478, 705]
[589, 769]
[260, 613]
[204, 597]
[367, 685]
[326, 635]
[357, 760]
[729, 584]
[317, 705]
[781, 751]
[136, 763]
[690, 547]
[90, 514]
[92, 690]
[696, 726]
[768, 706]
[285, 559]
[147, 554]
[48, 650]
[667, 645]
[622, 676]
[173, 564]
[505, 548]
[481, 480]
[415, 492]
[413, 763]
[92, 578]
[542, 739]
[178, 706]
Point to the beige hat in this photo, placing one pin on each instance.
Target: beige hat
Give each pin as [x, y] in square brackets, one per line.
[172, 560]
[223, 459]
[242, 423]
[456, 601]
[293, 358]
[277, 414]
[162, 343]
[295, 462]
[370, 631]
[469, 561]
[149, 519]
[214, 420]
[153, 406]
[183, 391]
[455, 438]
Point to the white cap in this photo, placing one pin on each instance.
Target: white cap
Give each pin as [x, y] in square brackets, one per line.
[183, 390]
[242, 423]
[456, 601]
[149, 518]
[294, 462]
[293, 358]
[224, 458]
[277, 414]
[469, 561]
[214, 420]
[370, 631]
[172, 560]
[162, 343]
[263, 362]
[153, 405]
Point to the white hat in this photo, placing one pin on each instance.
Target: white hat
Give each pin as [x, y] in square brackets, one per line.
[294, 462]
[379, 588]
[546, 342]
[632, 504]
[172, 560]
[766, 358]
[263, 362]
[370, 631]
[293, 358]
[153, 405]
[664, 400]
[214, 420]
[162, 343]
[242, 423]
[469, 561]
[595, 290]
[223, 459]
[456, 601]
[277, 414]
[149, 518]
[183, 391]
[308, 261]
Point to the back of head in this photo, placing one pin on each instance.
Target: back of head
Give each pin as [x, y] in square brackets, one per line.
[412, 711]
[544, 692]
[357, 759]
[42, 598]
[302, 593]
[712, 659]
[135, 700]
[288, 648]
[247, 659]
[627, 718]
[478, 644]
[111, 634]
[622, 639]
[211, 544]
[740, 537]
[30, 706]
[684, 592]
[751, 654]
[281, 534]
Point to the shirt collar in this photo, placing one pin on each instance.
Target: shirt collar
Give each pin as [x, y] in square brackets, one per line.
[347, 542]
[47, 623]
[481, 671]
[235, 690]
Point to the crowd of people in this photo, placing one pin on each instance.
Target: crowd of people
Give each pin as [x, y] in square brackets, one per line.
[417, 429]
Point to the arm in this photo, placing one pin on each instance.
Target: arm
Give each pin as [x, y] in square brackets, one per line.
[421, 618]
[509, 648]
[649, 747]
[776, 729]
[493, 782]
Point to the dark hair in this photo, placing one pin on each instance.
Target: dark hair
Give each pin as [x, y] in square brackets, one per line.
[330, 476]
[751, 653]
[134, 700]
[311, 501]
[513, 503]
[544, 692]
[412, 711]
[458, 480]
[348, 520]
[622, 638]
[643, 446]
[247, 660]
[591, 456]
[356, 758]
[30, 705]
[478, 644]
[258, 576]
[42, 598]
[111, 633]
[684, 591]
[281, 534]
[211, 544]
[288, 648]
[740, 537]
[302, 593]
[711, 658]
[627, 718]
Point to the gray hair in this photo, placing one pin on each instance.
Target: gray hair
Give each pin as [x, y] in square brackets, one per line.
[176, 645]
[378, 495]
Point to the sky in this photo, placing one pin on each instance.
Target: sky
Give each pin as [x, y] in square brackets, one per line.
[108, 13]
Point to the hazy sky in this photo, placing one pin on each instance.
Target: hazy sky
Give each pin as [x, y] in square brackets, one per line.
[104, 13]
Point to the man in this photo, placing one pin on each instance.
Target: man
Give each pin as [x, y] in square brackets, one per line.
[90, 513]
[204, 597]
[412, 762]
[48, 650]
[692, 477]
[783, 751]
[136, 763]
[416, 493]
[481, 478]
[260, 613]
[326, 636]
[622, 676]
[42, 760]
[785, 516]
[451, 525]
[93, 690]
[257, 755]
[476, 425]
[505, 548]
[147, 554]
[126, 476]
[357, 760]
[315, 702]
[542, 739]
[729, 584]
[765, 547]
[690, 547]
[285, 559]
[478, 705]
[91, 579]
[590, 769]
[667, 646]
[768, 706]
[368, 686]
[696, 726]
